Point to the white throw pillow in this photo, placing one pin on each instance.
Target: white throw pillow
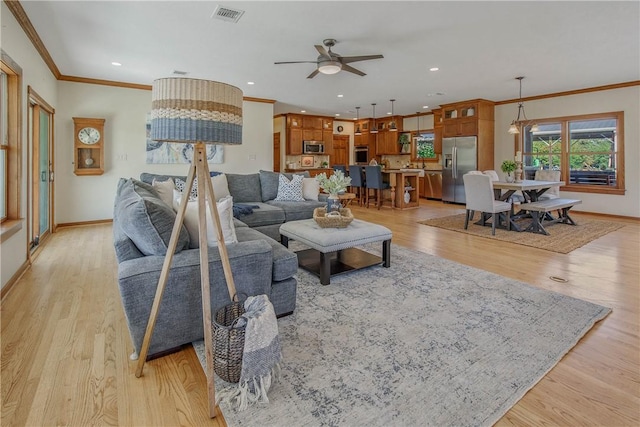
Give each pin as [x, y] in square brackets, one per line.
[220, 186]
[165, 190]
[290, 191]
[225, 211]
[310, 189]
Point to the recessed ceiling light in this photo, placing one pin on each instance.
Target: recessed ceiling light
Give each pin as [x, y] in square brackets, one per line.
[425, 106]
[337, 115]
[116, 64]
[303, 111]
[250, 83]
[434, 69]
[340, 95]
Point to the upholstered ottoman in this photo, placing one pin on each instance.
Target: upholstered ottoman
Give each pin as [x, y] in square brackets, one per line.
[333, 250]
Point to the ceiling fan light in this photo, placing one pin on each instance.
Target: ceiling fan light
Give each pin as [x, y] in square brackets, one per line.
[329, 67]
[513, 129]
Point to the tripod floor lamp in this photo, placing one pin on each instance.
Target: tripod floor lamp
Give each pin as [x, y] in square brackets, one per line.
[199, 112]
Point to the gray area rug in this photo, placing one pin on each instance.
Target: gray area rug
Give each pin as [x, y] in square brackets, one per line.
[425, 342]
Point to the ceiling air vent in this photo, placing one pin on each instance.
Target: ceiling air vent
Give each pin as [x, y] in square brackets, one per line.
[179, 73]
[227, 14]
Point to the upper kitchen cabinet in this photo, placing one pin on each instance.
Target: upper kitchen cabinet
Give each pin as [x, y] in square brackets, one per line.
[312, 122]
[387, 140]
[463, 118]
[294, 135]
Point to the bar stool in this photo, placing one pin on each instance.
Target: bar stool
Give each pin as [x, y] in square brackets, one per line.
[342, 168]
[373, 179]
[357, 182]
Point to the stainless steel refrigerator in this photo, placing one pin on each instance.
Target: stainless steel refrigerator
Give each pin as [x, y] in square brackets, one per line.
[460, 155]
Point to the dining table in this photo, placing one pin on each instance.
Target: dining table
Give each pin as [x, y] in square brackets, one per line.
[531, 190]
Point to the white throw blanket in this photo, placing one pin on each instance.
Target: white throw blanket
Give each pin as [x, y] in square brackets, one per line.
[261, 356]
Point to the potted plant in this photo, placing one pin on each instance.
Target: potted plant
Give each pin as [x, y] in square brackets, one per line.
[508, 167]
[334, 185]
[404, 142]
[324, 164]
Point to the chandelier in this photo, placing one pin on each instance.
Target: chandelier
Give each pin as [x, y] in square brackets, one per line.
[514, 128]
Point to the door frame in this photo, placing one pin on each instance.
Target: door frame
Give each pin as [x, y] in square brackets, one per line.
[36, 105]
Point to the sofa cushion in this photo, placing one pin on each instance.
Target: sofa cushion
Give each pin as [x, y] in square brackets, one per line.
[146, 219]
[285, 262]
[269, 182]
[310, 189]
[290, 189]
[264, 214]
[225, 212]
[165, 190]
[244, 188]
[294, 211]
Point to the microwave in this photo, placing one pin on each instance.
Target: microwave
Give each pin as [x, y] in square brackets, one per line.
[312, 147]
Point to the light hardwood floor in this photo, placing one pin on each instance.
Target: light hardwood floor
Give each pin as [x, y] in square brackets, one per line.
[65, 343]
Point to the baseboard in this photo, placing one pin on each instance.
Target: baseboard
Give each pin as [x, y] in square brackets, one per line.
[14, 279]
[81, 223]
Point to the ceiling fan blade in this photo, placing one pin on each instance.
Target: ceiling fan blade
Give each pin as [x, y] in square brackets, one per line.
[348, 59]
[312, 75]
[322, 51]
[296, 62]
[350, 69]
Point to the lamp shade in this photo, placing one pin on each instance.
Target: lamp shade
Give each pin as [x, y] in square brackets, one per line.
[193, 110]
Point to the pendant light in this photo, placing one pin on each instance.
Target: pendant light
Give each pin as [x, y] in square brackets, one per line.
[358, 132]
[514, 128]
[375, 128]
[392, 125]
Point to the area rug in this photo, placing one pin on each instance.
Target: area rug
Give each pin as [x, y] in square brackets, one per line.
[425, 342]
[562, 238]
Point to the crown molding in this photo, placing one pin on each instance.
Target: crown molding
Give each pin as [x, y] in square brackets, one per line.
[21, 16]
[571, 92]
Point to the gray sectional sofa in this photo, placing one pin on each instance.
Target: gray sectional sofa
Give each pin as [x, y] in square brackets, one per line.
[142, 225]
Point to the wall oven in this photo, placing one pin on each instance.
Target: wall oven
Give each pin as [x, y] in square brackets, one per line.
[361, 155]
[312, 147]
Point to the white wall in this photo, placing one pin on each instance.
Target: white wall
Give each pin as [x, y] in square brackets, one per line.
[87, 198]
[36, 74]
[623, 99]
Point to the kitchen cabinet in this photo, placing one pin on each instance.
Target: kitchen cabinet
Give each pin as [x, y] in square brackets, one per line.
[294, 142]
[431, 185]
[462, 118]
[471, 118]
[312, 122]
[387, 141]
[312, 134]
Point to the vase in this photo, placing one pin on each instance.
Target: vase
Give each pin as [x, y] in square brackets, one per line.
[510, 177]
[333, 203]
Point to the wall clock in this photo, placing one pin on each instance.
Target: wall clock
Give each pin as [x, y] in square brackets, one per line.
[340, 128]
[88, 146]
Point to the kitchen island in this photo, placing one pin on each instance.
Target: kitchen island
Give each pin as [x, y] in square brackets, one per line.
[405, 187]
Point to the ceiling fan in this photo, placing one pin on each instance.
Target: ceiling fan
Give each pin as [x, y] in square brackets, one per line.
[329, 62]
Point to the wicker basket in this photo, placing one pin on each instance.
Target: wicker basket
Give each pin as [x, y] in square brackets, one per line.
[332, 221]
[228, 342]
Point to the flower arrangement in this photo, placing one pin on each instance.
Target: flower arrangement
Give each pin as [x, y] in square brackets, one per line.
[334, 184]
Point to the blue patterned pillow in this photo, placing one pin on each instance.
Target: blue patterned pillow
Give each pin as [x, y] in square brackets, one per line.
[290, 191]
[181, 184]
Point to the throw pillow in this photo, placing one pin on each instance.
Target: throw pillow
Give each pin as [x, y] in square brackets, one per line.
[145, 219]
[165, 190]
[310, 189]
[181, 185]
[290, 191]
[220, 186]
[225, 211]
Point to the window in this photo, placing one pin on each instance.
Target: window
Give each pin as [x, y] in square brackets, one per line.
[588, 151]
[10, 146]
[424, 145]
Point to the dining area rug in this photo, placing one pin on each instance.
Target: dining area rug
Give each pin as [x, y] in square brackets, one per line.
[426, 341]
[562, 238]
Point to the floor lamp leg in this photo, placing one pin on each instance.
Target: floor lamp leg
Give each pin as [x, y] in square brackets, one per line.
[164, 274]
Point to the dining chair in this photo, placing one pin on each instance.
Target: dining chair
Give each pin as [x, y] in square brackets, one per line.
[373, 181]
[357, 182]
[548, 175]
[478, 190]
[515, 197]
[341, 168]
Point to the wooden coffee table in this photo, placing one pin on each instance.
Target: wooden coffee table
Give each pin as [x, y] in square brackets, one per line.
[333, 250]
